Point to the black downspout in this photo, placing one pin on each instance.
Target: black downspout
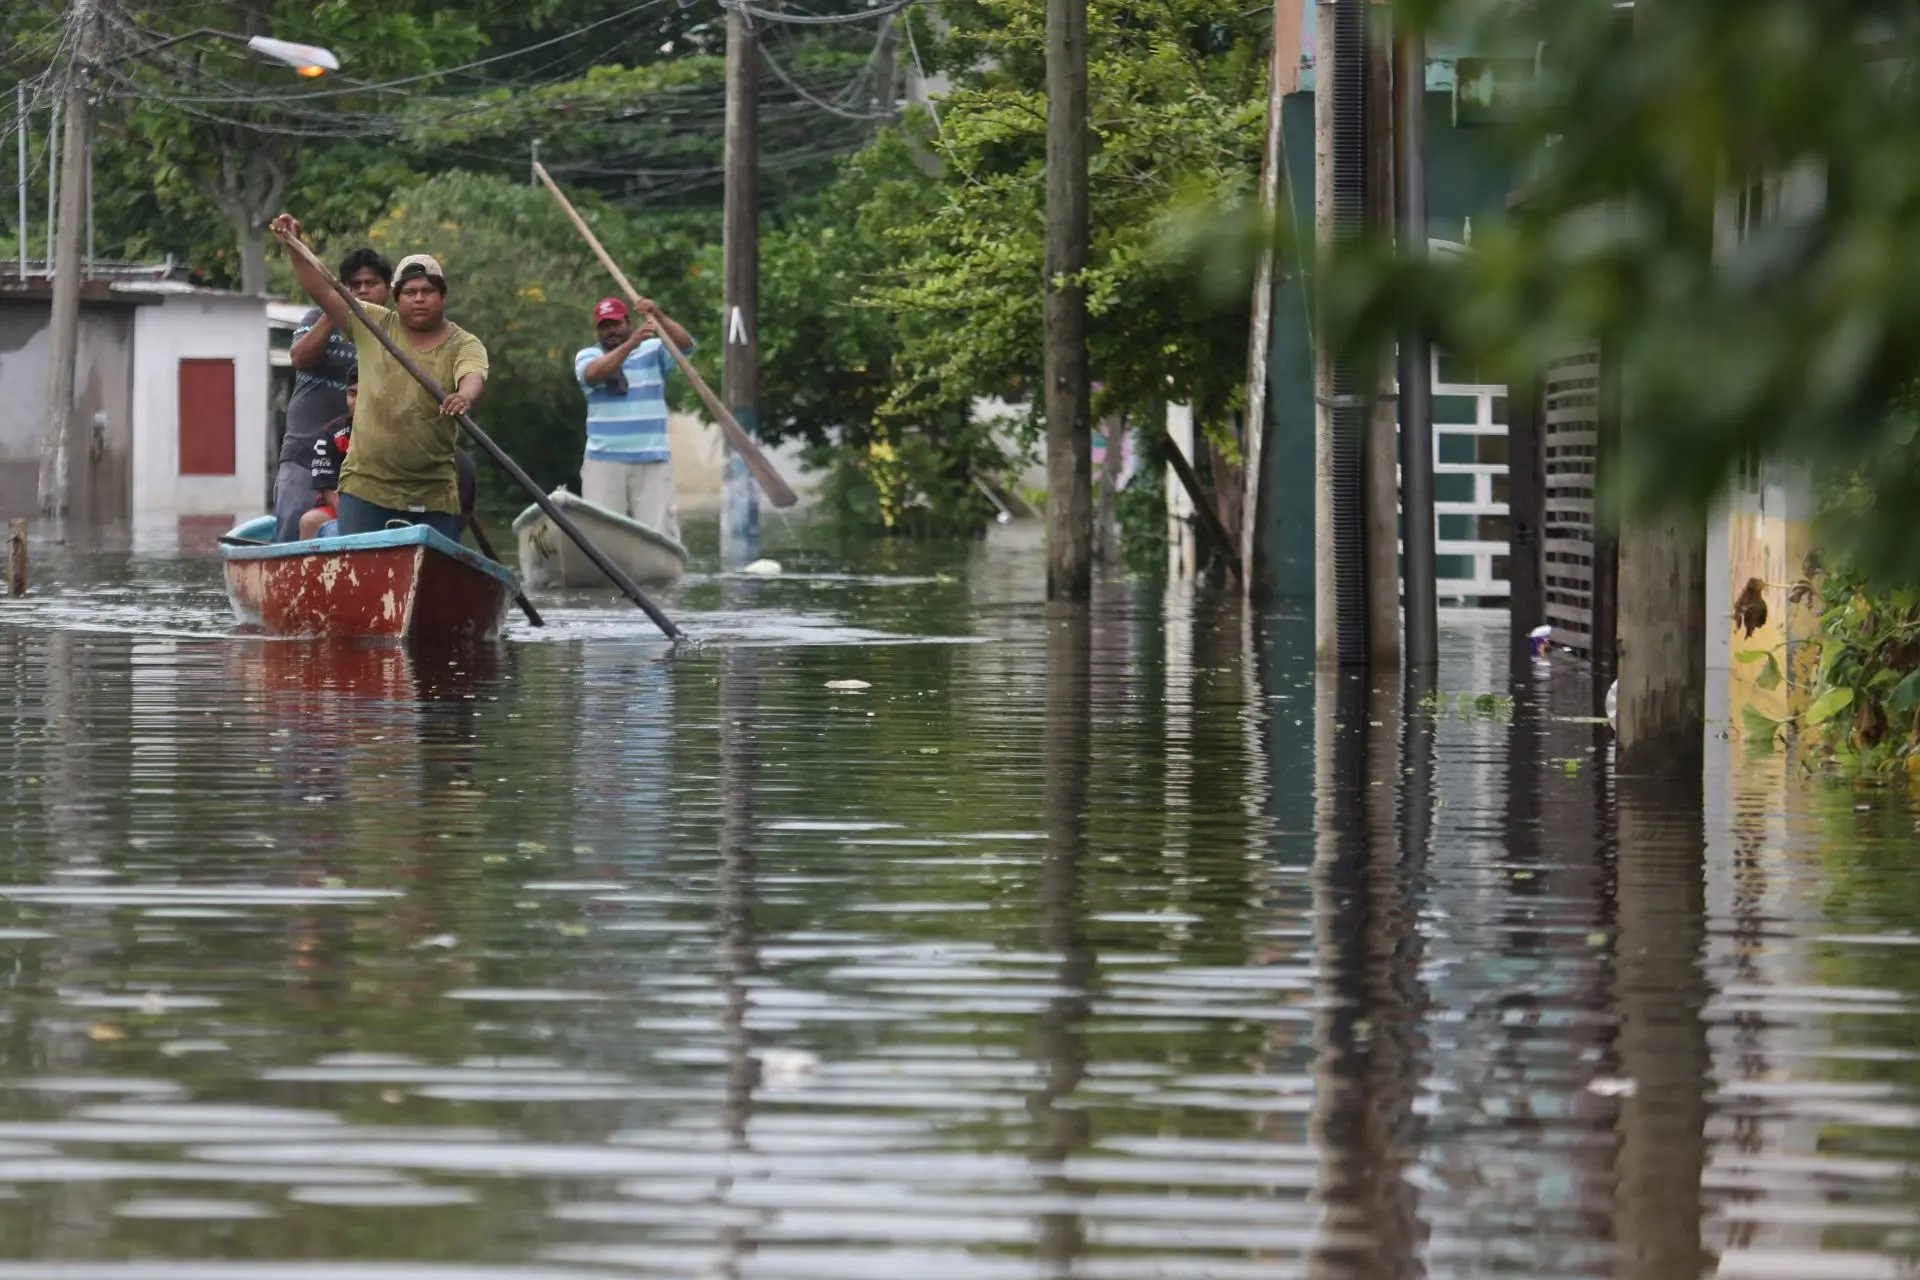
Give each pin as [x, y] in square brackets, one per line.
[1352, 379]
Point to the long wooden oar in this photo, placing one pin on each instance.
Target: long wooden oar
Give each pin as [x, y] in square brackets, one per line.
[614, 572]
[486, 549]
[778, 491]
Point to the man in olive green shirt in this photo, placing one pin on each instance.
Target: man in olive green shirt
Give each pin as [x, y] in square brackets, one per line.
[401, 467]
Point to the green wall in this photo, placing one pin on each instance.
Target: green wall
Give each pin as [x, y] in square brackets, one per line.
[1467, 177]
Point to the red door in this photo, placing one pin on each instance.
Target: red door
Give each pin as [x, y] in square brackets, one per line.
[206, 418]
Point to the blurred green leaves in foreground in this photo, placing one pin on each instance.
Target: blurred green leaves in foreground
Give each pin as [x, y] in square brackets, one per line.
[1726, 195]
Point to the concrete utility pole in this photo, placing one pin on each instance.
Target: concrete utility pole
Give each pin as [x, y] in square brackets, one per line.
[739, 369]
[1068, 395]
[1661, 646]
[64, 325]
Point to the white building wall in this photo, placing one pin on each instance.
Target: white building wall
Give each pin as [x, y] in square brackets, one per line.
[198, 326]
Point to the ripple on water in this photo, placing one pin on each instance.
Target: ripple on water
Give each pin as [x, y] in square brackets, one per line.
[1054, 953]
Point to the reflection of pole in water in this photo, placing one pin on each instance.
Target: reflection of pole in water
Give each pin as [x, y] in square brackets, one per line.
[739, 952]
[1366, 863]
[1339, 910]
[1067, 750]
[1660, 996]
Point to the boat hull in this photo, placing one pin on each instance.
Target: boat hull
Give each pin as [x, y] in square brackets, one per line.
[406, 584]
[549, 559]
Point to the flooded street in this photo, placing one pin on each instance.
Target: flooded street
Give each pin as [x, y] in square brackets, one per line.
[1105, 947]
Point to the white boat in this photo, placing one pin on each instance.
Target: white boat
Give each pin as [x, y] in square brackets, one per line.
[549, 560]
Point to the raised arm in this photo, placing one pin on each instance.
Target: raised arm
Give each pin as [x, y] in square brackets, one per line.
[310, 344]
[317, 283]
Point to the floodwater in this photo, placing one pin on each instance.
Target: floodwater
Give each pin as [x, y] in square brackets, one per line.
[1105, 946]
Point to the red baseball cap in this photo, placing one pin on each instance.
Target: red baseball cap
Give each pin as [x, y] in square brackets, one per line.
[609, 309]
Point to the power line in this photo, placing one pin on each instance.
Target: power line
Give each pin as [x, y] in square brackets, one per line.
[387, 86]
[780, 18]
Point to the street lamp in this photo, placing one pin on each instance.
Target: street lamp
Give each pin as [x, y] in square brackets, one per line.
[307, 60]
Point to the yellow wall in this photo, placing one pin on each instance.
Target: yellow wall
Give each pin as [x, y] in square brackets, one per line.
[1773, 550]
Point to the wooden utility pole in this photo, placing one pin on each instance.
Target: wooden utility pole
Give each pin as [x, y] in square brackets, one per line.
[739, 368]
[16, 557]
[64, 323]
[1068, 398]
[1326, 594]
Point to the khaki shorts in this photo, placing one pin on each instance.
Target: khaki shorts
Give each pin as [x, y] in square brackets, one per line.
[642, 491]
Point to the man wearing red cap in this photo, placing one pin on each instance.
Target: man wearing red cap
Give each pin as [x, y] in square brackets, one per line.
[628, 468]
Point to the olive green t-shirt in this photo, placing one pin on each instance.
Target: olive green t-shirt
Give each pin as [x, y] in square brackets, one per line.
[402, 454]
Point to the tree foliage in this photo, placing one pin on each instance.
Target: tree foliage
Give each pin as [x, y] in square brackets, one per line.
[1177, 109]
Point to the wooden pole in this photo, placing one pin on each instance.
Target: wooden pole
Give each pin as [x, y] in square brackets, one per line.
[777, 490]
[1203, 508]
[552, 510]
[16, 557]
[1067, 395]
[740, 358]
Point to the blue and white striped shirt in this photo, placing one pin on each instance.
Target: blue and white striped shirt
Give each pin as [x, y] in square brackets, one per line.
[630, 427]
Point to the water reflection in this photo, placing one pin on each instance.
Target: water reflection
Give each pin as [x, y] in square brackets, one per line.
[1116, 944]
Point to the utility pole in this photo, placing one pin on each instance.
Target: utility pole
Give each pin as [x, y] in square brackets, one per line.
[20, 102]
[1381, 462]
[1661, 594]
[1068, 397]
[739, 369]
[1416, 361]
[64, 326]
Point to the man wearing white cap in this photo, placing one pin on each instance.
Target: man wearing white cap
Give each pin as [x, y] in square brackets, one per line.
[401, 468]
[629, 468]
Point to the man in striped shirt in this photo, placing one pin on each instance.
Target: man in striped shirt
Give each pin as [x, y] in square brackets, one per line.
[628, 468]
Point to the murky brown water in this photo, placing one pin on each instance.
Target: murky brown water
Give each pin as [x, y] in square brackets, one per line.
[1107, 950]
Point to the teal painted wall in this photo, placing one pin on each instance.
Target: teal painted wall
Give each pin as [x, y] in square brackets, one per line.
[1467, 177]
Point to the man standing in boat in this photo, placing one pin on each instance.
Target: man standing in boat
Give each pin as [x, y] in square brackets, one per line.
[401, 467]
[323, 360]
[628, 467]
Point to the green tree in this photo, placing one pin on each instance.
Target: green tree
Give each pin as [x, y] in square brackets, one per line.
[1177, 109]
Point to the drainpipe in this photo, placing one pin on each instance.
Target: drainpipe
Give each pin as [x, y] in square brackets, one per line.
[1342, 385]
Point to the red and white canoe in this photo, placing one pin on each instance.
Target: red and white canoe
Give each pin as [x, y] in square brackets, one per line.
[407, 583]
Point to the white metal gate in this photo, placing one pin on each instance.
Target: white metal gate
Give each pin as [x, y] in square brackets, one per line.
[1570, 442]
